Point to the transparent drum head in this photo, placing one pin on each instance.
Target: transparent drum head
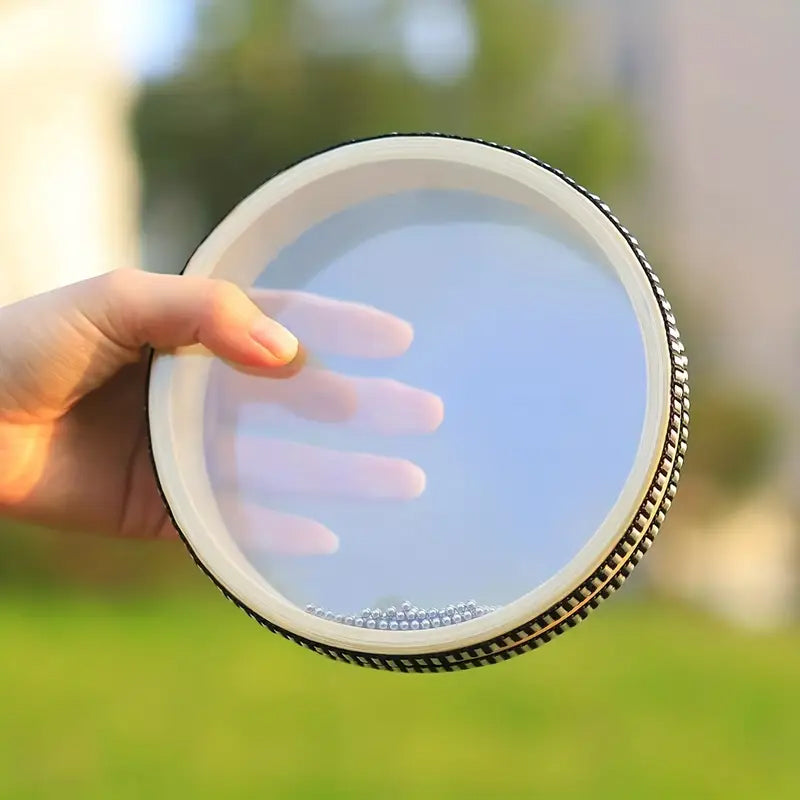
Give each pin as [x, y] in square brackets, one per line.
[484, 432]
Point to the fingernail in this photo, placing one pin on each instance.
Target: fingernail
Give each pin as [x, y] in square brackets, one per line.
[274, 337]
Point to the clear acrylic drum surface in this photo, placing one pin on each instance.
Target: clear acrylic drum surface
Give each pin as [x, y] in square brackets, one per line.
[468, 410]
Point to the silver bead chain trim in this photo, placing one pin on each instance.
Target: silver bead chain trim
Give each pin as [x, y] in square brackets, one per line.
[407, 617]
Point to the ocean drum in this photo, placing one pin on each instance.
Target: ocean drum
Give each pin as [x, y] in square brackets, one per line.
[482, 434]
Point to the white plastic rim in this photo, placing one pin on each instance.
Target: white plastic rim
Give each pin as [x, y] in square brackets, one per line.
[274, 216]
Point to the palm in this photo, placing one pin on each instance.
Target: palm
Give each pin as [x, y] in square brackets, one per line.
[89, 469]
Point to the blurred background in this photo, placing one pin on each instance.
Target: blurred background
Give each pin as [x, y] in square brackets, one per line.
[131, 128]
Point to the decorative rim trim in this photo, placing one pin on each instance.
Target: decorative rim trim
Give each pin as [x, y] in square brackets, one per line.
[615, 568]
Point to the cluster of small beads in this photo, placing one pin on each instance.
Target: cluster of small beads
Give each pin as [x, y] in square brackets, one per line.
[407, 617]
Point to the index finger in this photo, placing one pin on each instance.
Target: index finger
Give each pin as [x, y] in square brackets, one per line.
[339, 327]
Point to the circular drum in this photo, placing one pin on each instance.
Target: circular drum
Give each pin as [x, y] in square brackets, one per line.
[485, 427]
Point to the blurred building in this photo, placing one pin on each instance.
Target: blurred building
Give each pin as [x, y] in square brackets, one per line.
[715, 84]
[68, 200]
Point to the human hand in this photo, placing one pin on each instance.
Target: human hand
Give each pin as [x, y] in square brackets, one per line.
[73, 366]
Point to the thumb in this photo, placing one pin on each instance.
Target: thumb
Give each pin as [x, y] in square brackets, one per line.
[61, 345]
[133, 308]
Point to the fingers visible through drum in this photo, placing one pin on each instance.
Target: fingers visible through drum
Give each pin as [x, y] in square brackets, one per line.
[312, 394]
[273, 531]
[389, 407]
[272, 467]
[326, 325]
[378, 405]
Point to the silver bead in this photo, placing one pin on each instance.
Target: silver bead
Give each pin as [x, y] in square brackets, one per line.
[311, 608]
[407, 616]
[319, 613]
[329, 615]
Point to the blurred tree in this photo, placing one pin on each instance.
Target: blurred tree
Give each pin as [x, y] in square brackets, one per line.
[270, 82]
[735, 438]
[735, 432]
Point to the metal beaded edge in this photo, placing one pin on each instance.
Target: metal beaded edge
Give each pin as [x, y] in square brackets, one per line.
[607, 577]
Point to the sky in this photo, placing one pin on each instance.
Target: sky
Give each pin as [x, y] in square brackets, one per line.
[154, 34]
[435, 37]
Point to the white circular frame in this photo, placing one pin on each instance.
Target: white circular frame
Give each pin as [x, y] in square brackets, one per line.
[274, 216]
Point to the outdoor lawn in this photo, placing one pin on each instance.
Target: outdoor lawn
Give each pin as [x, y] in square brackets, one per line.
[184, 696]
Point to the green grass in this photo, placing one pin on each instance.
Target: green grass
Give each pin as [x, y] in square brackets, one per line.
[188, 698]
